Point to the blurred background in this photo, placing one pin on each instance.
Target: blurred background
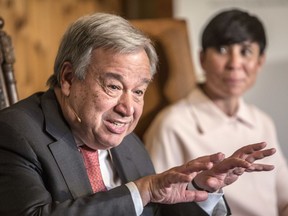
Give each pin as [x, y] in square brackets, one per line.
[36, 27]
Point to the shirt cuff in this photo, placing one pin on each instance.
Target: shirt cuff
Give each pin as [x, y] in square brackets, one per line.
[137, 200]
[209, 204]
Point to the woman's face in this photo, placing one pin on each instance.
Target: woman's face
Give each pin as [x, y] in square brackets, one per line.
[231, 70]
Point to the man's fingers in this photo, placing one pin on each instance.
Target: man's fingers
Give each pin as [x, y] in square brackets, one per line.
[249, 149]
[216, 158]
[231, 163]
[201, 163]
[195, 166]
[238, 171]
[259, 167]
[260, 155]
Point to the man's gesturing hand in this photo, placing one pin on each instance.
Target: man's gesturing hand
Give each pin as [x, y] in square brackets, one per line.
[227, 171]
[171, 186]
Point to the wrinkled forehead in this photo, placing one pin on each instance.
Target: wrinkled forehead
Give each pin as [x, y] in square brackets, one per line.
[115, 64]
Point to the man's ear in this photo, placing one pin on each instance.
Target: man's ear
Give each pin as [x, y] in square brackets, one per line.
[66, 78]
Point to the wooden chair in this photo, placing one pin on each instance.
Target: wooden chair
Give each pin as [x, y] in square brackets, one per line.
[175, 76]
[8, 91]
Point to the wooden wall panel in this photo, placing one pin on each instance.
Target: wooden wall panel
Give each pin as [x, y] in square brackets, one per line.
[36, 27]
[147, 9]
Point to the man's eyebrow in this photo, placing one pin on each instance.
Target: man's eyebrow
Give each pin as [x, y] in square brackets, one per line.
[146, 80]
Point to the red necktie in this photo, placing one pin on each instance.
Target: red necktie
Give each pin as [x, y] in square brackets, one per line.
[92, 165]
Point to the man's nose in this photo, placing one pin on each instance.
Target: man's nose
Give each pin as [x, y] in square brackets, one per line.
[125, 104]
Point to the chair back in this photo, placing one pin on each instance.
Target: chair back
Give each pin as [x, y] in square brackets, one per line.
[175, 77]
[8, 91]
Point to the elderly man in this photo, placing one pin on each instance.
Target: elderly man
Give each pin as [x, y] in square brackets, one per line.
[71, 150]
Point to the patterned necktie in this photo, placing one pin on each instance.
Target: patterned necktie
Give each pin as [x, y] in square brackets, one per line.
[92, 165]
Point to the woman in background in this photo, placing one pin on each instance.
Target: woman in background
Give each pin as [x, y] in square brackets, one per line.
[214, 116]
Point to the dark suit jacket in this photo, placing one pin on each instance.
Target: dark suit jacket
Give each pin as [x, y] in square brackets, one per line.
[42, 171]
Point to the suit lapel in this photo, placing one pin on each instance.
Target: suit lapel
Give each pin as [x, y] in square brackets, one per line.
[72, 167]
[64, 149]
[124, 163]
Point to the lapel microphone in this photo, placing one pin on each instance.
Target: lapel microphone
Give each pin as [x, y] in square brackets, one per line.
[76, 115]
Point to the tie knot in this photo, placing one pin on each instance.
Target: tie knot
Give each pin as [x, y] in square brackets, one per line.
[90, 157]
[87, 148]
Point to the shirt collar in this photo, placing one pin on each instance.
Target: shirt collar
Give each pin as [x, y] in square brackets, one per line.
[244, 114]
[208, 116]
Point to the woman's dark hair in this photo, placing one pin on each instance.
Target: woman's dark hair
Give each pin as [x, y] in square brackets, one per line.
[233, 26]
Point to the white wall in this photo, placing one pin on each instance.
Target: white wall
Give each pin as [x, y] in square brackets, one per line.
[271, 90]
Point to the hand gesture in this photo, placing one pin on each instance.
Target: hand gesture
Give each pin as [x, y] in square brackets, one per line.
[171, 186]
[228, 170]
